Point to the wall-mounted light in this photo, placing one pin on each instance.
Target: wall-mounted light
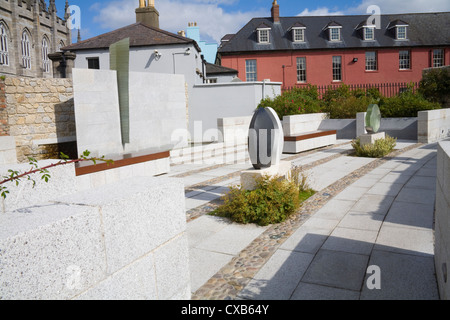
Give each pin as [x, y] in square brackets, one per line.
[188, 51]
[157, 54]
[355, 59]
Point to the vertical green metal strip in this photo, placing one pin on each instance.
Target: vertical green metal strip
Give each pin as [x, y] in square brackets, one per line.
[119, 54]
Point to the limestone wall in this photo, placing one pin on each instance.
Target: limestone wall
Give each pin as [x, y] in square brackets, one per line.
[433, 125]
[39, 113]
[124, 240]
[442, 220]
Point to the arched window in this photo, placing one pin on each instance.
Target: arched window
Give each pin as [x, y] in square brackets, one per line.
[45, 60]
[26, 52]
[61, 45]
[4, 56]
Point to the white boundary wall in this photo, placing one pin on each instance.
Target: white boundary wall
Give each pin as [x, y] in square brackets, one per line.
[442, 220]
[210, 102]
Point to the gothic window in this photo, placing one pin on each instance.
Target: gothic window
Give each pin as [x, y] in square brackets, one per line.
[45, 59]
[4, 55]
[26, 50]
[61, 45]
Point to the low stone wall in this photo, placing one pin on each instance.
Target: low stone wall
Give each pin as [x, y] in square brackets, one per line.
[433, 125]
[234, 130]
[120, 241]
[301, 123]
[39, 113]
[400, 128]
[442, 220]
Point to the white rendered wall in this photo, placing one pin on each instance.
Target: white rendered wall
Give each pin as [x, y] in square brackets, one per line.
[210, 102]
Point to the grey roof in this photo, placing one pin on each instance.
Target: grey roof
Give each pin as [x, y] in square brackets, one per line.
[216, 69]
[140, 35]
[424, 29]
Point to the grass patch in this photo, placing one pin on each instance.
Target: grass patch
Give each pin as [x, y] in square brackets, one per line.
[272, 201]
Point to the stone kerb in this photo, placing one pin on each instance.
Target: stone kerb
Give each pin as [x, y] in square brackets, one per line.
[442, 220]
[433, 125]
[122, 241]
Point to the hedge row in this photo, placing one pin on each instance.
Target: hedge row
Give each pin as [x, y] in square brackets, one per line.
[343, 103]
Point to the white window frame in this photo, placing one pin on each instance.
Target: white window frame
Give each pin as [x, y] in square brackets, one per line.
[398, 32]
[338, 29]
[372, 33]
[371, 61]
[264, 35]
[45, 59]
[301, 69]
[251, 70]
[337, 68]
[26, 50]
[438, 59]
[404, 60]
[4, 51]
[298, 34]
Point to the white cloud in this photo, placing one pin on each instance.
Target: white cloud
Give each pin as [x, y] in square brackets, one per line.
[322, 11]
[386, 7]
[410, 6]
[174, 15]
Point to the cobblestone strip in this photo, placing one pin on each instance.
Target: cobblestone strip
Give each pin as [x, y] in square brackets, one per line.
[233, 277]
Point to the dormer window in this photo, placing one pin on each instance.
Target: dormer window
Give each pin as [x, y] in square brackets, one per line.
[298, 32]
[298, 35]
[366, 31]
[400, 29]
[369, 33]
[334, 30]
[335, 34]
[263, 32]
[401, 33]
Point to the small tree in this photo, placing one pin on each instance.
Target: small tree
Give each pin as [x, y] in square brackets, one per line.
[16, 176]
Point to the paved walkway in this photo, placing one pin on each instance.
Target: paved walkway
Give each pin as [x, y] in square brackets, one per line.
[367, 233]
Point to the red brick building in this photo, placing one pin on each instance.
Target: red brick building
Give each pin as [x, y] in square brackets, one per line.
[326, 50]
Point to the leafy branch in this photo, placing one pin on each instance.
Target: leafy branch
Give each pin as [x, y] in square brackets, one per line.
[16, 176]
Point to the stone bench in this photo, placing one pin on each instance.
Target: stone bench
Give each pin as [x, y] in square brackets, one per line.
[302, 133]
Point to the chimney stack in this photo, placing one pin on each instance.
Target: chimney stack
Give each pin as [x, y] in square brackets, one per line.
[147, 13]
[275, 12]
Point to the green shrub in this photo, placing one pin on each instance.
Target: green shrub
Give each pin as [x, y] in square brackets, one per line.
[272, 201]
[294, 101]
[343, 103]
[435, 85]
[406, 104]
[379, 149]
[347, 108]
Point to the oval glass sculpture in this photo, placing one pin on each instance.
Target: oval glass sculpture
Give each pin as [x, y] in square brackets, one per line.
[373, 118]
[264, 139]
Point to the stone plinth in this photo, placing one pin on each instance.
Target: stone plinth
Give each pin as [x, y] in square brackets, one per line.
[248, 177]
[370, 138]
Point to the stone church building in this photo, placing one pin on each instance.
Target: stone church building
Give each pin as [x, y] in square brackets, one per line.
[30, 31]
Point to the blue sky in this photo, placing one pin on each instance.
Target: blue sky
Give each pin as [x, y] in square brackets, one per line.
[219, 17]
